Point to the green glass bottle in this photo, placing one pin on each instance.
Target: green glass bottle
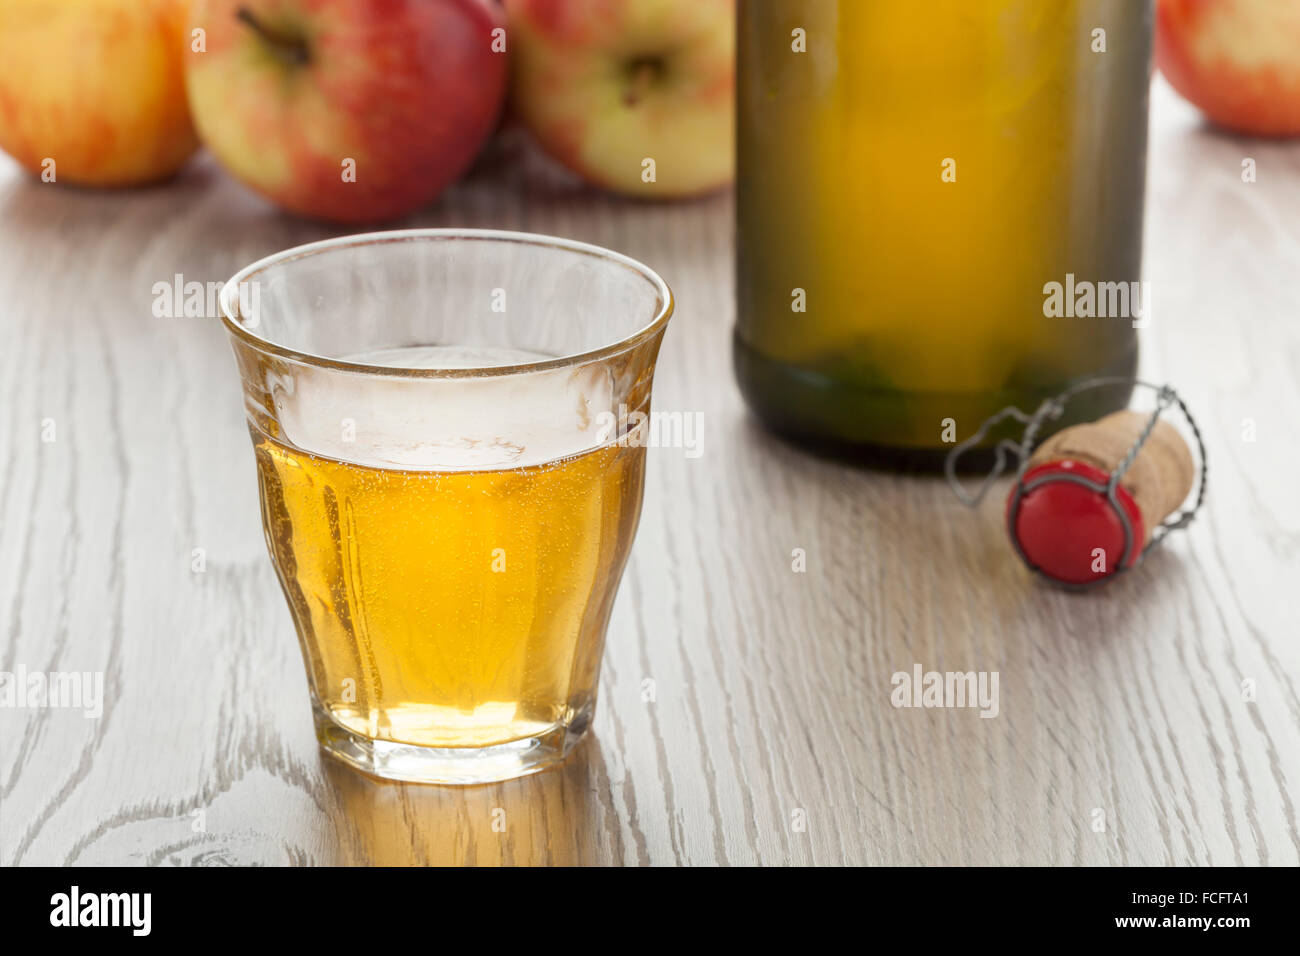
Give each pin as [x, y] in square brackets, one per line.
[915, 183]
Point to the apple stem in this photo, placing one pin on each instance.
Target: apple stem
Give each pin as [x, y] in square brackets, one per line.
[642, 74]
[292, 50]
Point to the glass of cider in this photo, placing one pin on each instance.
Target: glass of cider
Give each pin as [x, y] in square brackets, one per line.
[451, 464]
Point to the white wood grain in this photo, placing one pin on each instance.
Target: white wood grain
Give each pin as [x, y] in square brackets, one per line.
[771, 687]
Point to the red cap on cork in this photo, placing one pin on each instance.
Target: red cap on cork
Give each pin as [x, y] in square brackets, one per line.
[1069, 531]
[1060, 515]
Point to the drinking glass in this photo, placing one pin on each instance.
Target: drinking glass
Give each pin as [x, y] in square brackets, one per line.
[449, 428]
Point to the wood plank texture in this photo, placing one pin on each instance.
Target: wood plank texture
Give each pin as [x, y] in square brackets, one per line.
[770, 737]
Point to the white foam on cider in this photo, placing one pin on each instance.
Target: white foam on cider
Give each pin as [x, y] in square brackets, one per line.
[460, 424]
[447, 356]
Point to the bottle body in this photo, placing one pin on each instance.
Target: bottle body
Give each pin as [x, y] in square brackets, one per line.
[911, 192]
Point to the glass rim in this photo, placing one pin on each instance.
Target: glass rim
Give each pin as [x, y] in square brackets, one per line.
[229, 295]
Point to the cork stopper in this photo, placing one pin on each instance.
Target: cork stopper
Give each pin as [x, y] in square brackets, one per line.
[1160, 477]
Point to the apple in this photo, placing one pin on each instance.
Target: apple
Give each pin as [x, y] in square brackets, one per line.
[92, 91]
[1238, 60]
[347, 110]
[605, 86]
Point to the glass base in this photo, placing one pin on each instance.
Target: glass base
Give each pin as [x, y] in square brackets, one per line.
[457, 766]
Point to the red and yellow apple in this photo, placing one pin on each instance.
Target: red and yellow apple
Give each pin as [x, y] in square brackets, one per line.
[605, 85]
[1237, 60]
[92, 91]
[347, 110]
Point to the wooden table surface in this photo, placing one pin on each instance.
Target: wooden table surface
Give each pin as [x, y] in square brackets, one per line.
[1124, 734]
